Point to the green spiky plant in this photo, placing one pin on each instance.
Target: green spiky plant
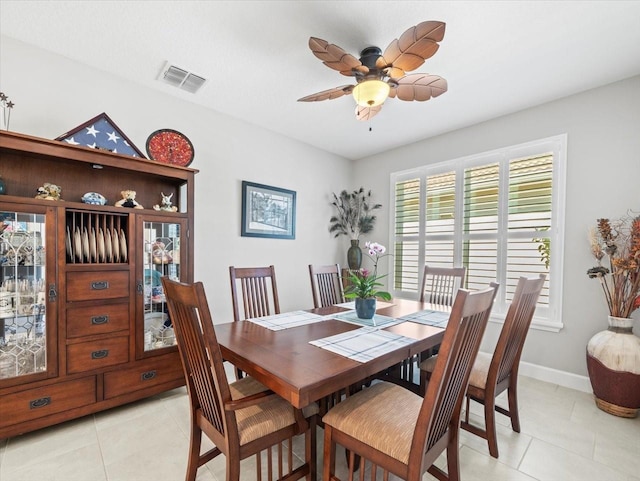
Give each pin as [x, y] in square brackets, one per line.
[355, 214]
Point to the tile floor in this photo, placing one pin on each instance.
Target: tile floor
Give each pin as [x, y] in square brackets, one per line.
[564, 437]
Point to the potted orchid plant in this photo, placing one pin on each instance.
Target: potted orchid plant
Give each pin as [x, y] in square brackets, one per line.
[364, 284]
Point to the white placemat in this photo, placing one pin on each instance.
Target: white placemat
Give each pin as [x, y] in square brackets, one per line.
[377, 321]
[363, 344]
[286, 320]
[428, 317]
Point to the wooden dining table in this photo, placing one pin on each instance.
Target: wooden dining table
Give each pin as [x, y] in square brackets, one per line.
[302, 373]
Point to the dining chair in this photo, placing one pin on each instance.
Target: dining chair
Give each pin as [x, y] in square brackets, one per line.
[259, 291]
[493, 373]
[400, 431]
[439, 286]
[242, 418]
[326, 285]
[258, 294]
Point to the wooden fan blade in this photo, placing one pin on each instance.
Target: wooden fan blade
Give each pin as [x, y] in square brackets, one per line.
[366, 113]
[419, 86]
[330, 94]
[413, 47]
[395, 73]
[336, 58]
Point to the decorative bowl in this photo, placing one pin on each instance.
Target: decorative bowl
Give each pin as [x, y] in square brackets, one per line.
[94, 198]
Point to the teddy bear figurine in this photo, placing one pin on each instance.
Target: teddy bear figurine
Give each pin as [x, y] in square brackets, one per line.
[166, 204]
[49, 192]
[128, 200]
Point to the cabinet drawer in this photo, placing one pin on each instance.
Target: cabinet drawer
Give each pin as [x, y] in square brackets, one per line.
[86, 286]
[47, 400]
[87, 356]
[146, 374]
[102, 319]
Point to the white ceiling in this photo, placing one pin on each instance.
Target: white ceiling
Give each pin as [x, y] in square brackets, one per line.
[497, 56]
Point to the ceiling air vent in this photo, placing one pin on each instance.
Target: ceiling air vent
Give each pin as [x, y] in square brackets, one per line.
[181, 78]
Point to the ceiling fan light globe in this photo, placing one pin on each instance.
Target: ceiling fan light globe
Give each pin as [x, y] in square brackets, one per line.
[371, 93]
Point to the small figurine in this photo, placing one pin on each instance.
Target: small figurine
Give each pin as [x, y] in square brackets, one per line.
[94, 198]
[128, 200]
[166, 204]
[49, 192]
[159, 253]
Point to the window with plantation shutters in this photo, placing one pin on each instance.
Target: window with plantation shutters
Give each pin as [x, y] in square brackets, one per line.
[500, 214]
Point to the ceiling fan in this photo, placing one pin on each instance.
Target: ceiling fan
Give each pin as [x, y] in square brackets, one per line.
[380, 75]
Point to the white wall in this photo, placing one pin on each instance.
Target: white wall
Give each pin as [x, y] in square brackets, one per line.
[603, 180]
[54, 94]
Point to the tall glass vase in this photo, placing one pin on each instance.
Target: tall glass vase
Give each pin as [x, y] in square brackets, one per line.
[354, 255]
[613, 362]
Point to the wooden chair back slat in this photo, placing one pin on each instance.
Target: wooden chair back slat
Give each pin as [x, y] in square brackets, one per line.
[326, 285]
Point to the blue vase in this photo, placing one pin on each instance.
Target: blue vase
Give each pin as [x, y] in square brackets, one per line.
[365, 308]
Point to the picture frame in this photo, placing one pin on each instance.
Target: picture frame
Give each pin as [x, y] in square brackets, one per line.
[268, 211]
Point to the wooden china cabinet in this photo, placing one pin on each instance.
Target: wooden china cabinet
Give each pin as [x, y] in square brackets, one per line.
[83, 322]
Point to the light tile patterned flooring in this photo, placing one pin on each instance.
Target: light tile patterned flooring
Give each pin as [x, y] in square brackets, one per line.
[564, 437]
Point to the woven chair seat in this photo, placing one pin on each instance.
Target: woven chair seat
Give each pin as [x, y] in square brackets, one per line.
[478, 377]
[383, 416]
[257, 421]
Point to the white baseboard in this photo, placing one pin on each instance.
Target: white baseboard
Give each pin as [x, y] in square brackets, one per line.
[562, 378]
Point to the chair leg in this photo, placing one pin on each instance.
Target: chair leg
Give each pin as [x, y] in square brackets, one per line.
[512, 394]
[466, 412]
[233, 469]
[310, 447]
[423, 383]
[329, 468]
[453, 460]
[490, 425]
[194, 453]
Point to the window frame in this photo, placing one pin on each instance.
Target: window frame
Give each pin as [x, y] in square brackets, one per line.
[548, 318]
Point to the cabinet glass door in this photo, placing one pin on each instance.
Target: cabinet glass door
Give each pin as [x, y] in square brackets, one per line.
[161, 251]
[23, 333]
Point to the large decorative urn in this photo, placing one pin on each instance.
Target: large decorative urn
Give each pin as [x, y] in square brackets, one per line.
[613, 362]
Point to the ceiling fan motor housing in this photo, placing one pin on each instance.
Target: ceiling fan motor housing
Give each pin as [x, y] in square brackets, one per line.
[369, 56]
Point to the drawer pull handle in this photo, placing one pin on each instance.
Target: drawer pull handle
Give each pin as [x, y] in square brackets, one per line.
[97, 320]
[100, 354]
[99, 285]
[147, 376]
[40, 403]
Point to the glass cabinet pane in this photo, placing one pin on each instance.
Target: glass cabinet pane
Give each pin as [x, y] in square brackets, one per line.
[161, 258]
[22, 294]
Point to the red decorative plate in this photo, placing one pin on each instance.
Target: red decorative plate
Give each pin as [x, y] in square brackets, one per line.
[170, 147]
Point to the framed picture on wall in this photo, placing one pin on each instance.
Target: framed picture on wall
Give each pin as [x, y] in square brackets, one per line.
[268, 211]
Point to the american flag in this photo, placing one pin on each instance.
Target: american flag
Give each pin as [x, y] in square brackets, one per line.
[101, 133]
